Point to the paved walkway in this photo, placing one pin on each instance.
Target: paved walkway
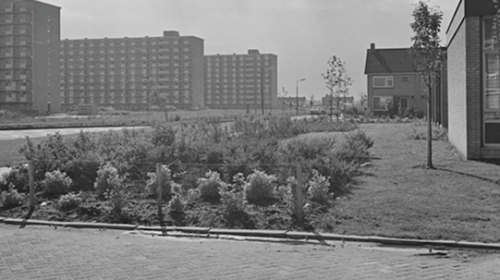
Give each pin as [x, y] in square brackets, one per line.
[48, 253]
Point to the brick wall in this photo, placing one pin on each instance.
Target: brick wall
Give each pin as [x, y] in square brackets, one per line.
[473, 87]
[464, 89]
[457, 128]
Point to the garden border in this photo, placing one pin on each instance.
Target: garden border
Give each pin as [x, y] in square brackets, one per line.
[270, 234]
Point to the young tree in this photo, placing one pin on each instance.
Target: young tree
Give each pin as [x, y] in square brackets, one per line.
[427, 56]
[337, 81]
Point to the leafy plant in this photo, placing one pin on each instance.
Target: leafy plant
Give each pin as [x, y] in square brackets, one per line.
[69, 201]
[17, 177]
[177, 204]
[166, 181]
[107, 175]
[319, 188]
[355, 148]
[11, 198]
[117, 194]
[232, 198]
[209, 186]
[56, 183]
[260, 187]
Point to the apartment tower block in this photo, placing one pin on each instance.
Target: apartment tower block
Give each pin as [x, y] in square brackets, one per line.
[244, 81]
[29, 56]
[126, 73]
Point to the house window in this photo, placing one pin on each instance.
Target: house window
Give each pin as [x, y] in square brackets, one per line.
[381, 103]
[405, 79]
[383, 81]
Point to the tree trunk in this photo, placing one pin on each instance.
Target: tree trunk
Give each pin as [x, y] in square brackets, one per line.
[429, 128]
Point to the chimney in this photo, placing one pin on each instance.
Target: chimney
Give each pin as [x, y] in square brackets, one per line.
[372, 46]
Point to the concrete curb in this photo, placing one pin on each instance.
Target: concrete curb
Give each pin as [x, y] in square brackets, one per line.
[267, 234]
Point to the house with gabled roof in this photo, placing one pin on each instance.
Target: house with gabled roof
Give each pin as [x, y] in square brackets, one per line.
[394, 87]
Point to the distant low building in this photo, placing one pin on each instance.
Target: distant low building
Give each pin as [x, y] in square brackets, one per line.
[291, 101]
[341, 102]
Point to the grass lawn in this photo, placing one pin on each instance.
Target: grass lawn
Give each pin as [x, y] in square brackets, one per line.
[398, 197]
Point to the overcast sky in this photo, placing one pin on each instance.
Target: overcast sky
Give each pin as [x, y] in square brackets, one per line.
[302, 33]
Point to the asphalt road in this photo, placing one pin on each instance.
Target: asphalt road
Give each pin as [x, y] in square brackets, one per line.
[35, 133]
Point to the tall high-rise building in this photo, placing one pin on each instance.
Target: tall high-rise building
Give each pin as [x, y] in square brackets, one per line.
[125, 73]
[241, 80]
[29, 56]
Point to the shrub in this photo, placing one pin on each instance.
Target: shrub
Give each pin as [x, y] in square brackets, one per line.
[259, 187]
[69, 201]
[319, 187]
[116, 194]
[233, 199]
[56, 183]
[106, 176]
[17, 177]
[209, 186]
[340, 172]
[11, 198]
[354, 148]
[163, 134]
[166, 180]
[193, 196]
[176, 204]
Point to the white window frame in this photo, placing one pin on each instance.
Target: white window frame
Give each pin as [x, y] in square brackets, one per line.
[388, 81]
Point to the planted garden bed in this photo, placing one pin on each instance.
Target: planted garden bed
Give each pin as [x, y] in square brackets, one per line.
[212, 177]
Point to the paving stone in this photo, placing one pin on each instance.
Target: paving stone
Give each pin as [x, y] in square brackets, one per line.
[37, 252]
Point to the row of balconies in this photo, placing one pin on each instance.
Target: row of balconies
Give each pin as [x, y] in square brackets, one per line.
[68, 88]
[10, 30]
[124, 42]
[111, 65]
[16, 18]
[123, 78]
[13, 7]
[9, 96]
[11, 41]
[123, 59]
[119, 50]
[17, 74]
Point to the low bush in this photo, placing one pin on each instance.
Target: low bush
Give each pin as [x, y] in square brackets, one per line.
[166, 183]
[318, 188]
[209, 186]
[11, 198]
[69, 201]
[260, 187]
[176, 205]
[107, 175]
[340, 172]
[56, 183]
[17, 177]
[232, 199]
[117, 195]
[354, 148]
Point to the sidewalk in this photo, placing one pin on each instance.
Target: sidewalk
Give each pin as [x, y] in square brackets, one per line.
[40, 252]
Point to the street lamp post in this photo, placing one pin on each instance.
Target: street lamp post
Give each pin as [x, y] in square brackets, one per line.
[297, 94]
